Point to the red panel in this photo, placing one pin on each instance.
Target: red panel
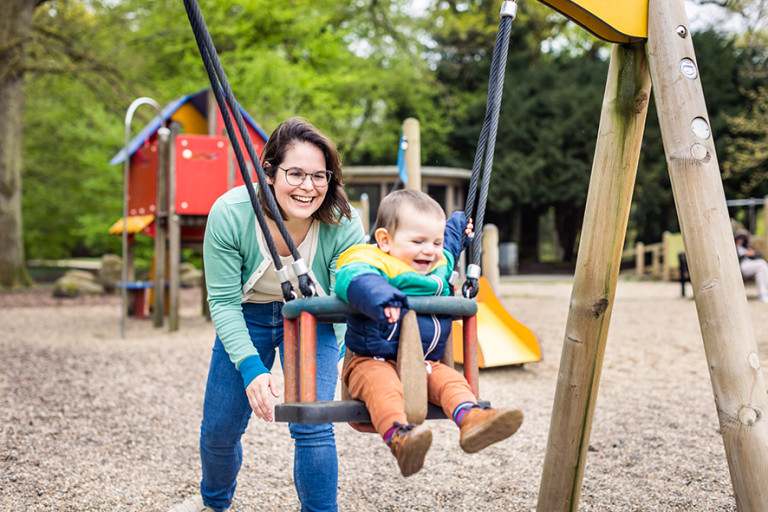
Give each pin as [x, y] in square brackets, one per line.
[258, 145]
[142, 180]
[201, 172]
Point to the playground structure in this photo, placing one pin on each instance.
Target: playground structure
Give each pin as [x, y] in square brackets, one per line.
[665, 263]
[173, 174]
[501, 339]
[661, 54]
[653, 46]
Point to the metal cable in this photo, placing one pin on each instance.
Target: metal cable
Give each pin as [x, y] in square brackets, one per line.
[485, 149]
[221, 88]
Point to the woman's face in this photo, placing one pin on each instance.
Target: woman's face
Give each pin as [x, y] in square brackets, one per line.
[299, 201]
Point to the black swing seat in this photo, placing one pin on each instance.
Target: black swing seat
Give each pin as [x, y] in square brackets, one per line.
[334, 310]
[339, 411]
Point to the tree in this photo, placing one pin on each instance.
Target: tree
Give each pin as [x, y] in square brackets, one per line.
[15, 34]
[548, 121]
[352, 68]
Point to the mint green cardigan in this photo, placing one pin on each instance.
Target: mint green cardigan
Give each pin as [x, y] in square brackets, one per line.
[234, 263]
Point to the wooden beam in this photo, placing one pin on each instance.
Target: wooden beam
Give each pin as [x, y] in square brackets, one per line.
[726, 327]
[614, 169]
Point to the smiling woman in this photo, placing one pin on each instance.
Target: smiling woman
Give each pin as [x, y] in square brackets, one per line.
[246, 302]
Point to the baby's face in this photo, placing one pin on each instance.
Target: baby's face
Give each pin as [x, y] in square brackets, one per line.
[418, 242]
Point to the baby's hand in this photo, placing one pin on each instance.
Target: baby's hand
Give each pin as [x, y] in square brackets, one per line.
[468, 230]
[392, 313]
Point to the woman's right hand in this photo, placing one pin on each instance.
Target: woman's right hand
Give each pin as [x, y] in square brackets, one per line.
[258, 392]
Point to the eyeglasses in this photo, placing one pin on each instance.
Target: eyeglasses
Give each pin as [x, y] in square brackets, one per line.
[296, 176]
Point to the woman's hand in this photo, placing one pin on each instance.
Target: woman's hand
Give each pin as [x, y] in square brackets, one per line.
[258, 392]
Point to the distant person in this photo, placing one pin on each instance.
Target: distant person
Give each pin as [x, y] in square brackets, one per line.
[752, 264]
[415, 254]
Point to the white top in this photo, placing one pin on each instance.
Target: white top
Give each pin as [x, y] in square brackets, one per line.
[264, 284]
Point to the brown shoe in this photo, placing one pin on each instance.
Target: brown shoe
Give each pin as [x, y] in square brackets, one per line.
[409, 445]
[481, 428]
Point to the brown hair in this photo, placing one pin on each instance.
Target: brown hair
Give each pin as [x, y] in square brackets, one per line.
[394, 204]
[293, 131]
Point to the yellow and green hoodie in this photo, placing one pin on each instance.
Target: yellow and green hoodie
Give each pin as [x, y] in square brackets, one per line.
[370, 280]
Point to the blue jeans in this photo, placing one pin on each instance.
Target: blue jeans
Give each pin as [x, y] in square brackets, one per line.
[226, 412]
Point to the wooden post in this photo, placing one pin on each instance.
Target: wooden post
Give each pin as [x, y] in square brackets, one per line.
[729, 340]
[174, 240]
[656, 259]
[640, 260]
[490, 257]
[291, 360]
[411, 369]
[307, 357]
[161, 227]
[614, 169]
[471, 356]
[765, 218]
[411, 131]
[666, 274]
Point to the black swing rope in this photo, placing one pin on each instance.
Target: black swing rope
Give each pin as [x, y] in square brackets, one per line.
[487, 145]
[221, 87]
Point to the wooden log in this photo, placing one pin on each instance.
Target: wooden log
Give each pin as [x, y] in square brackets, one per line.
[640, 260]
[412, 132]
[471, 349]
[729, 340]
[666, 274]
[161, 228]
[411, 369]
[174, 241]
[490, 257]
[291, 359]
[597, 269]
[308, 357]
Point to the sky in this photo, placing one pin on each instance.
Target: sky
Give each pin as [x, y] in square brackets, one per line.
[704, 16]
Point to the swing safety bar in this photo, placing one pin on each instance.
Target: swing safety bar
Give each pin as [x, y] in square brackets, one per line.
[300, 318]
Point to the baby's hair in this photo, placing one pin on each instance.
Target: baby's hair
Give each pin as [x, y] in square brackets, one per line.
[405, 201]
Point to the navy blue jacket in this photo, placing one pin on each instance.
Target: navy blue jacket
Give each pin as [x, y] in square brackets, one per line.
[371, 280]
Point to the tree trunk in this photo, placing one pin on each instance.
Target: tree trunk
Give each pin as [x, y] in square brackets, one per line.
[568, 221]
[529, 234]
[15, 31]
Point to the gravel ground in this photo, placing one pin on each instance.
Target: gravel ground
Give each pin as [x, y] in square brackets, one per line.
[93, 422]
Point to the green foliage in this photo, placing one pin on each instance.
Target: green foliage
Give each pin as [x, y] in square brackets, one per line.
[350, 68]
[357, 69]
[549, 115]
[723, 67]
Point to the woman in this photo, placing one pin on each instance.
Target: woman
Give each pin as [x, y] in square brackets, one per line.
[304, 172]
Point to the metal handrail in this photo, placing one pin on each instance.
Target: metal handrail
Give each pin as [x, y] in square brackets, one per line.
[126, 170]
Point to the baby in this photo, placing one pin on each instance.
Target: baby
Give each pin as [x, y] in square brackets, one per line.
[415, 254]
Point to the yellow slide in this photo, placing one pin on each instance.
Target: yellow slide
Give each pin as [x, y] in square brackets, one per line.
[502, 340]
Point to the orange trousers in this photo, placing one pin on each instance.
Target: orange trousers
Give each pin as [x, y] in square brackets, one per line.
[376, 383]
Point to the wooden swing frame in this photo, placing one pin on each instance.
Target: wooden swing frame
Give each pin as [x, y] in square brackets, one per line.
[666, 59]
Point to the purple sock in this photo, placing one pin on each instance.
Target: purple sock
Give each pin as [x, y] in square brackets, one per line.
[389, 433]
[461, 410]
